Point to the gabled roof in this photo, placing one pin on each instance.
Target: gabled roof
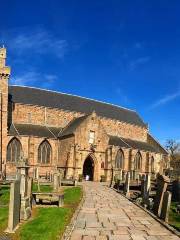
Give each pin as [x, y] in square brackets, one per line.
[33, 130]
[156, 144]
[72, 126]
[128, 143]
[35, 96]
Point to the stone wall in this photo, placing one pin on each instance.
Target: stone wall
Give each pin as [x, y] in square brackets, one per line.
[24, 113]
[64, 150]
[30, 147]
[60, 118]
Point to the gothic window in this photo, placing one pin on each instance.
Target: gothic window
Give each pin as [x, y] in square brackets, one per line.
[119, 161]
[44, 152]
[14, 150]
[137, 161]
[152, 165]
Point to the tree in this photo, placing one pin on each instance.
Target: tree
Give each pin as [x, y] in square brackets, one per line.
[173, 147]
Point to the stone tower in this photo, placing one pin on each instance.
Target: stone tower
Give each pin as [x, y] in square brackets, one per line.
[4, 76]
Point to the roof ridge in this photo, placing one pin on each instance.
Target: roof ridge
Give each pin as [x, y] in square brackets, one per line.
[158, 142]
[74, 95]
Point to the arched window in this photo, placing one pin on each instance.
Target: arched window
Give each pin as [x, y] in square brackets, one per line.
[14, 150]
[44, 152]
[119, 161]
[152, 165]
[137, 161]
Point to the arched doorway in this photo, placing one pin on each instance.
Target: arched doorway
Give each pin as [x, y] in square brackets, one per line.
[88, 168]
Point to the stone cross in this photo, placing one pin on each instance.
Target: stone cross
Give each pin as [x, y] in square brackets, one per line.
[166, 206]
[162, 183]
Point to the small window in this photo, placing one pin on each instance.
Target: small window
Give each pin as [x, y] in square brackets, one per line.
[102, 165]
[91, 137]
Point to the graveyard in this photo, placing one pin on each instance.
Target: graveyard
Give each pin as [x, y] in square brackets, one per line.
[160, 195]
[44, 208]
[40, 219]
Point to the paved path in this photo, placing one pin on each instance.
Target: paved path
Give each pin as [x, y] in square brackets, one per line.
[106, 215]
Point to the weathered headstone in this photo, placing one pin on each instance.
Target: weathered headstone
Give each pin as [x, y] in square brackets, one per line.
[162, 183]
[123, 175]
[166, 206]
[36, 173]
[56, 182]
[126, 184]
[146, 185]
[23, 168]
[14, 206]
[142, 185]
[29, 190]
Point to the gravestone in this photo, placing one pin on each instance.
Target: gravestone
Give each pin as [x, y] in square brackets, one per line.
[146, 185]
[14, 206]
[162, 183]
[22, 169]
[126, 184]
[166, 206]
[36, 173]
[123, 175]
[56, 182]
[29, 190]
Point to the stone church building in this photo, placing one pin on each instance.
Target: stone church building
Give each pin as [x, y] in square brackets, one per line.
[79, 135]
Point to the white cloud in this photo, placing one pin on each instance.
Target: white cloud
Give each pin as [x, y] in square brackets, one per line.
[166, 99]
[38, 41]
[139, 61]
[32, 78]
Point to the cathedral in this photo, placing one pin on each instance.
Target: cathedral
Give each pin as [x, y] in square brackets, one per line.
[81, 136]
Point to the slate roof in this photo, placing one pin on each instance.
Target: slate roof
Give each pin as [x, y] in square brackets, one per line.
[34, 96]
[33, 130]
[128, 143]
[72, 126]
[157, 145]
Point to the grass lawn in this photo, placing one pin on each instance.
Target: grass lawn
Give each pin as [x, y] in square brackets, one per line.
[48, 223]
[174, 218]
[4, 207]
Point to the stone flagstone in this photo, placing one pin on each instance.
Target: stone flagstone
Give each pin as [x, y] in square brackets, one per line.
[107, 215]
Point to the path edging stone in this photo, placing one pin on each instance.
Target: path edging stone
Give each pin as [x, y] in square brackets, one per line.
[70, 227]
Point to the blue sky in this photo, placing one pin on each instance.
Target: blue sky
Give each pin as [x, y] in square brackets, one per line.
[123, 52]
